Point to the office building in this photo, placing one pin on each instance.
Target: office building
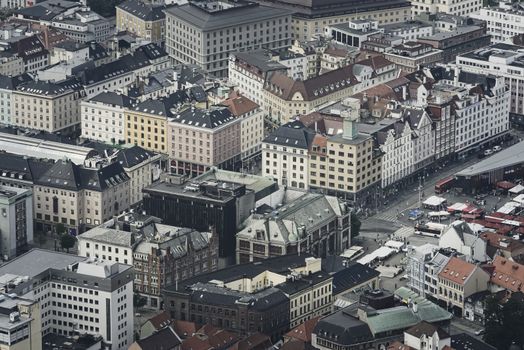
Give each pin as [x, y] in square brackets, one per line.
[20, 323]
[504, 22]
[452, 7]
[205, 33]
[143, 19]
[16, 221]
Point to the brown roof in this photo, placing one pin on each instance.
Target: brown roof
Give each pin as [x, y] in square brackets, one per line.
[457, 270]
[303, 331]
[294, 344]
[184, 328]
[163, 339]
[239, 105]
[502, 242]
[209, 337]
[508, 274]
[161, 320]
[396, 345]
[426, 328]
[256, 341]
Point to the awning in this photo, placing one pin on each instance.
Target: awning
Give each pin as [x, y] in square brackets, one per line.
[517, 189]
[508, 208]
[434, 201]
[505, 185]
[438, 213]
[457, 207]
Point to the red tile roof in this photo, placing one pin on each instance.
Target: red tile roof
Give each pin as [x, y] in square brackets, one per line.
[303, 331]
[457, 270]
[508, 274]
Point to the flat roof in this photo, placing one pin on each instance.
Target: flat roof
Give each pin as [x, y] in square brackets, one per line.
[505, 158]
[38, 260]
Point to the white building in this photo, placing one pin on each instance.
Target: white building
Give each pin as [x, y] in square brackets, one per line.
[426, 336]
[462, 238]
[285, 155]
[102, 117]
[500, 60]
[16, 220]
[76, 294]
[503, 22]
[297, 64]
[352, 33]
[409, 31]
[7, 85]
[417, 259]
[452, 7]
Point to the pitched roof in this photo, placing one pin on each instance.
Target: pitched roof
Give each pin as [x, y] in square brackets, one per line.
[508, 274]
[256, 341]
[11, 83]
[132, 156]
[165, 339]
[160, 320]
[142, 10]
[502, 242]
[114, 99]
[30, 47]
[397, 345]
[293, 134]
[457, 270]
[304, 330]
[209, 337]
[465, 341]
[239, 105]
[184, 328]
[205, 118]
[427, 329]
[50, 88]
[163, 107]
[352, 276]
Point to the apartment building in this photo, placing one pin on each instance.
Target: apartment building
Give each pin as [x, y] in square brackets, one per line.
[284, 98]
[503, 22]
[205, 33]
[160, 254]
[249, 71]
[11, 64]
[146, 123]
[102, 117]
[145, 20]
[76, 295]
[79, 197]
[8, 84]
[310, 18]
[20, 323]
[48, 106]
[311, 223]
[251, 124]
[199, 139]
[16, 220]
[452, 7]
[33, 53]
[458, 280]
[412, 55]
[499, 60]
[440, 111]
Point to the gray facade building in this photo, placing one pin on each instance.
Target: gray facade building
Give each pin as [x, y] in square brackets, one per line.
[206, 33]
[16, 214]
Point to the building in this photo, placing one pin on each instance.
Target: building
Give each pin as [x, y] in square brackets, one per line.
[160, 254]
[206, 33]
[165, 339]
[8, 84]
[506, 274]
[70, 52]
[412, 55]
[76, 295]
[142, 19]
[499, 60]
[461, 237]
[251, 124]
[352, 33]
[409, 30]
[79, 197]
[102, 117]
[311, 223]
[217, 198]
[48, 106]
[199, 139]
[146, 123]
[20, 323]
[425, 336]
[16, 224]
[253, 297]
[84, 26]
[310, 18]
[503, 22]
[458, 7]
[418, 258]
[33, 53]
[457, 281]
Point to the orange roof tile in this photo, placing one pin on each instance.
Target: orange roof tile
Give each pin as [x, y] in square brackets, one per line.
[508, 274]
[457, 270]
[303, 331]
[239, 105]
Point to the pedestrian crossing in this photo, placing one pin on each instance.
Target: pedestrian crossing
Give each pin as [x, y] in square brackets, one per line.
[404, 232]
[385, 216]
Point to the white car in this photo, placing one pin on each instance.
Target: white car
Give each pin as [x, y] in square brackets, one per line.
[488, 152]
[497, 148]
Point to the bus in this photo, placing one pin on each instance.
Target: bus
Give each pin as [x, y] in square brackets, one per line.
[443, 185]
[431, 229]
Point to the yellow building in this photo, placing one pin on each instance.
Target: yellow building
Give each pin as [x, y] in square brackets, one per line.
[144, 20]
[146, 127]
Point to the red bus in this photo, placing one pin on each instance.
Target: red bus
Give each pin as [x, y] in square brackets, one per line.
[445, 184]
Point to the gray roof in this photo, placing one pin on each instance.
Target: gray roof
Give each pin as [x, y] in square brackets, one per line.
[205, 118]
[108, 235]
[465, 341]
[130, 157]
[507, 157]
[37, 261]
[114, 99]
[343, 328]
[142, 10]
[232, 17]
[293, 134]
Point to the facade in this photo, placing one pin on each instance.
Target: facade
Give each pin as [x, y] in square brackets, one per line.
[206, 33]
[425, 336]
[410, 56]
[20, 323]
[312, 223]
[16, 221]
[458, 280]
[199, 139]
[506, 275]
[352, 33]
[452, 7]
[142, 19]
[503, 22]
[84, 26]
[33, 53]
[251, 124]
[460, 237]
[499, 60]
[8, 84]
[418, 257]
[102, 117]
[79, 197]
[310, 18]
[76, 295]
[48, 106]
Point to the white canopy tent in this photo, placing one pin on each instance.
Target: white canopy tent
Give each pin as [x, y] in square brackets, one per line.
[380, 253]
[508, 208]
[517, 189]
[434, 201]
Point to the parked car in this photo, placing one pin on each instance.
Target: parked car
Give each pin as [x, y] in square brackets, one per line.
[480, 331]
[497, 148]
[488, 152]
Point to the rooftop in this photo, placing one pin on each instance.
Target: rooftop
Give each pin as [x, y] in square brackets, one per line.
[508, 157]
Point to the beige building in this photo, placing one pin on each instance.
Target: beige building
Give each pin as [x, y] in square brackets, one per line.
[458, 280]
[20, 323]
[202, 138]
[284, 98]
[451, 7]
[48, 106]
[251, 124]
[142, 19]
[79, 197]
[11, 64]
[310, 18]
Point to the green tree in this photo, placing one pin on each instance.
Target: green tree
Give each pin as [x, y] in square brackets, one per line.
[67, 241]
[355, 225]
[60, 229]
[504, 322]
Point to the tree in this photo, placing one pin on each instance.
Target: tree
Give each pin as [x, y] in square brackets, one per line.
[503, 321]
[60, 229]
[355, 225]
[138, 300]
[67, 241]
